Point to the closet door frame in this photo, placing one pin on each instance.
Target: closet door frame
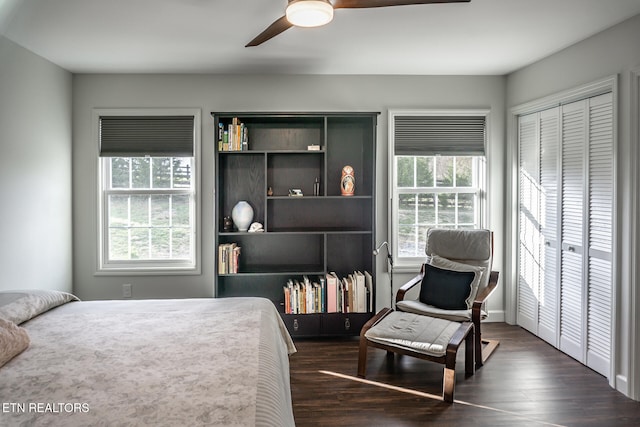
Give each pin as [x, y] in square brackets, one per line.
[632, 364]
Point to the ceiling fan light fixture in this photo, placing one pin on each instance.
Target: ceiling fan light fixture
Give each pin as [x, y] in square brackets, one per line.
[309, 13]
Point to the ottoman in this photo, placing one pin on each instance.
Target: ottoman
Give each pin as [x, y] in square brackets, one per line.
[420, 336]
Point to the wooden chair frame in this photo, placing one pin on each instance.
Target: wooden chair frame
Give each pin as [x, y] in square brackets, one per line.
[464, 332]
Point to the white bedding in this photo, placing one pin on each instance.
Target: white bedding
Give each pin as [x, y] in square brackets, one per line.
[152, 362]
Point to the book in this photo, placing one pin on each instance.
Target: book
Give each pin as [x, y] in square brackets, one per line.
[369, 285]
[228, 258]
[347, 295]
[353, 293]
[332, 293]
[323, 294]
[361, 292]
[287, 299]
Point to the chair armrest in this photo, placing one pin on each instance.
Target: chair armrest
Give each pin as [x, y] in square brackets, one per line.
[488, 290]
[459, 335]
[484, 295]
[407, 286]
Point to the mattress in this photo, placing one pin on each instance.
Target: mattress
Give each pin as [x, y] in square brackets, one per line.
[151, 362]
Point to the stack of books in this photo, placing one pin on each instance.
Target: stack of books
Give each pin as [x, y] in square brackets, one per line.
[228, 258]
[330, 294]
[234, 138]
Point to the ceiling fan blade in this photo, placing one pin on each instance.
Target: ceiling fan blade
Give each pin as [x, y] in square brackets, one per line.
[279, 26]
[364, 4]
[282, 24]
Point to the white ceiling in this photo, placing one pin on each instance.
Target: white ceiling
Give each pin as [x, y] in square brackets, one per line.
[483, 37]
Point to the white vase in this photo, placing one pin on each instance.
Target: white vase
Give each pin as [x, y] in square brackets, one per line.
[242, 215]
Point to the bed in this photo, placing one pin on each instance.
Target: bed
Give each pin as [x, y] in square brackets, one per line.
[144, 362]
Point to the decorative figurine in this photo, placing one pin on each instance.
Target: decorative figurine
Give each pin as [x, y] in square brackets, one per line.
[348, 181]
[270, 191]
[256, 227]
[227, 224]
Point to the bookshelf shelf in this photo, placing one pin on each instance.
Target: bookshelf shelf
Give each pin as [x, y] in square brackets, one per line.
[275, 270]
[272, 152]
[305, 236]
[327, 199]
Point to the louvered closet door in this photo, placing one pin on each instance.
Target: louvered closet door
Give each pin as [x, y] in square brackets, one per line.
[574, 133]
[549, 278]
[529, 239]
[600, 274]
[565, 258]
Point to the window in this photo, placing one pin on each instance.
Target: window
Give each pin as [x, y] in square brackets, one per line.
[437, 163]
[434, 191]
[148, 203]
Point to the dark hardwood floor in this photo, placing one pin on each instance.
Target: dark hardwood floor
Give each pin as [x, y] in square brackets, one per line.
[526, 382]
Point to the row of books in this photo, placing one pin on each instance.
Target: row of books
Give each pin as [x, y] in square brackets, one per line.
[304, 297]
[234, 138]
[228, 258]
[330, 294]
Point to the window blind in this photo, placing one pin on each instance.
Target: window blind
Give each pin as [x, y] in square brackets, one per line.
[445, 135]
[139, 136]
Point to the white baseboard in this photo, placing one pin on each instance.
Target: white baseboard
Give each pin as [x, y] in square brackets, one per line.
[622, 384]
[495, 316]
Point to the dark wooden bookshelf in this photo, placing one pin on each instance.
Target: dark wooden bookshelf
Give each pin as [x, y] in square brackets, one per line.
[310, 235]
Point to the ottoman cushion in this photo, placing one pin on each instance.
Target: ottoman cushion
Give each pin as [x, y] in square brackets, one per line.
[422, 334]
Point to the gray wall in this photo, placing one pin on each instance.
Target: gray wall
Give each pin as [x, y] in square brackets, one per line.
[612, 52]
[264, 93]
[35, 171]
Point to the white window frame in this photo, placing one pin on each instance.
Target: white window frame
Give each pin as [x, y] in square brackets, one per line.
[147, 267]
[410, 264]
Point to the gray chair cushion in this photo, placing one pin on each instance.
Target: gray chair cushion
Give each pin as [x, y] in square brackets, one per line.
[459, 244]
[471, 247]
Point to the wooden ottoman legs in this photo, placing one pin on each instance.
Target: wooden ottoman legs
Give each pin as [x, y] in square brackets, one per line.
[465, 331]
[362, 353]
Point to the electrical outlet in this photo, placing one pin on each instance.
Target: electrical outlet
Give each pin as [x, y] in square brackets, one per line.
[126, 290]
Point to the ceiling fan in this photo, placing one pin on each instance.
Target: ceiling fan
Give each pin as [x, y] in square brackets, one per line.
[314, 13]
